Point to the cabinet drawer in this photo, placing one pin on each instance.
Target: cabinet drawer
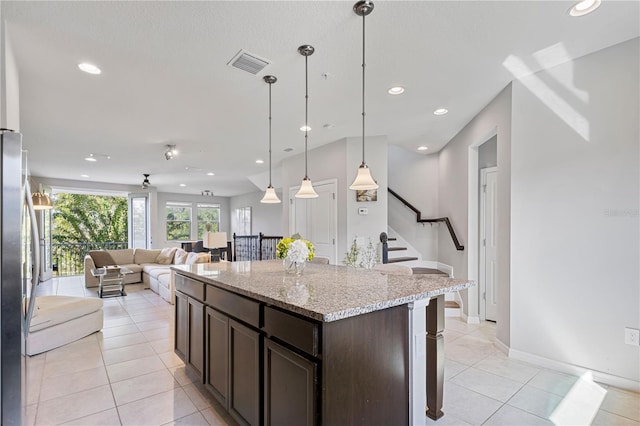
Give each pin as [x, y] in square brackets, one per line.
[190, 287]
[296, 331]
[234, 305]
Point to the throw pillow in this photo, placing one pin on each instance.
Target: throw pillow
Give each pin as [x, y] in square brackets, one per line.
[166, 256]
[192, 258]
[180, 257]
[101, 258]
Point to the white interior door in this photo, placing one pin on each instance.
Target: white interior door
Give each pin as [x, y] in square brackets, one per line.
[315, 219]
[488, 208]
[139, 229]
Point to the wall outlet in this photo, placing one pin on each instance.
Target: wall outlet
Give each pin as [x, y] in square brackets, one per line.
[631, 336]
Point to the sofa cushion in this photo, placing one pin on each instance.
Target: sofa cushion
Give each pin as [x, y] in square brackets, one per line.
[146, 256]
[180, 257]
[197, 258]
[154, 270]
[164, 280]
[101, 258]
[122, 257]
[56, 310]
[166, 256]
[135, 268]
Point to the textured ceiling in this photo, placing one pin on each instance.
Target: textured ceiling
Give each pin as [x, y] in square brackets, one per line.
[165, 78]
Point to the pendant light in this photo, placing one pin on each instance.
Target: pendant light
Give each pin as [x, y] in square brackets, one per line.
[306, 188]
[270, 195]
[41, 201]
[363, 180]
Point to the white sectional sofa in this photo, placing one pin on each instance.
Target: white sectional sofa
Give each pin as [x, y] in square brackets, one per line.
[150, 266]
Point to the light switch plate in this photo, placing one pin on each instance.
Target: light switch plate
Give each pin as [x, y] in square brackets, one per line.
[631, 336]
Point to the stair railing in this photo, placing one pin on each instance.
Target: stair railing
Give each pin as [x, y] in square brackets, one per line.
[384, 238]
[420, 220]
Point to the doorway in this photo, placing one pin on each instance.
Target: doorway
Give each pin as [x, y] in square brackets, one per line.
[488, 242]
[315, 218]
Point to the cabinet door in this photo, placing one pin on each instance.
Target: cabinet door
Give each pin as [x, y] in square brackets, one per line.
[290, 387]
[195, 356]
[181, 336]
[217, 355]
[244, 378]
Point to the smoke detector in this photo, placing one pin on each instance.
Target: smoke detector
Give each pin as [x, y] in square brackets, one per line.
[249, 62]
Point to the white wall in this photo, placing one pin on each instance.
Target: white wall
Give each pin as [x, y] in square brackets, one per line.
[9, 82]
[453, 197]
[266, 218]
[340, 160]
[575, 222]
[376, 221]
[415, 178]
[159, 233]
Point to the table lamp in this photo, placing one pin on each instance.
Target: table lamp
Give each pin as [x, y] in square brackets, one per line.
[214, 240]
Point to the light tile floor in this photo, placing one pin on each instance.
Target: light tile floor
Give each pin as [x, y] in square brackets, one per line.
[128, 374]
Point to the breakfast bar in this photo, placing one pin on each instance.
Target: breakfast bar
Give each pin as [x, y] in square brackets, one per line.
[332, 346]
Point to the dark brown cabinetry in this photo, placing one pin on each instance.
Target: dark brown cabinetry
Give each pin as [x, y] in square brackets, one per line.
[217, 355]
[244, 374]
[189, 329]
[290, 387]
[233, 355]
[270, 366]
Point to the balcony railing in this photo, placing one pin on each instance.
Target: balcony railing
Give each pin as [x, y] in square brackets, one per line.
[68, 258]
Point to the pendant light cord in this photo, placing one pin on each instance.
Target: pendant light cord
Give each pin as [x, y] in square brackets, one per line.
[270, 134]
[306, 113]
[363, 91]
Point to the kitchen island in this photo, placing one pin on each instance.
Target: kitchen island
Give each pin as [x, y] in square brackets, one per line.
[333, 346]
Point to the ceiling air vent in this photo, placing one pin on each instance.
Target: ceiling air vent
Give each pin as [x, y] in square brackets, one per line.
[248, 62]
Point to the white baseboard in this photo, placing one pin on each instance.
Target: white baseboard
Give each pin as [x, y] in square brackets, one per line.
[501, 347]
[469, 320]
[598, 376]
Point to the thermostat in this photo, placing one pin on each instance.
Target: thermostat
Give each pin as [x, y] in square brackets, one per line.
[363, 211]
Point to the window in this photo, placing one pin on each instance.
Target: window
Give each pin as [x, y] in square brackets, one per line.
[242, 221]
[208, 214]
[178, 221]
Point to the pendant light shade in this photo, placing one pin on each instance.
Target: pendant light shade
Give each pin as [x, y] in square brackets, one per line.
[306, 188]
[270, 196]
[41, 201]
[363, 180]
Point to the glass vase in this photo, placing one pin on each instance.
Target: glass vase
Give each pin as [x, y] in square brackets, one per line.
[294, 268]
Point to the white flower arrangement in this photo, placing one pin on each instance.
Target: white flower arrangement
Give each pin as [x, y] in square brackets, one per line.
[298, 251]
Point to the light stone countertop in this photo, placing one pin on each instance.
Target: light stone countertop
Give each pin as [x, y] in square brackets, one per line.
[323, 292]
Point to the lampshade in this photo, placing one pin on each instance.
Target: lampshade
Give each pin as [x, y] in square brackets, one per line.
[363, 180]
[41, 201]
[270, 196]
[306, 189]
[214, 240]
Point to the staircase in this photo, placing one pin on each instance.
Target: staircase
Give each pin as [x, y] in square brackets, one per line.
[452, 308]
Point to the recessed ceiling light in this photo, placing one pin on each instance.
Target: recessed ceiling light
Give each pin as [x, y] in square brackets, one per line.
[441, 111]
[305, 129]
[259, 161]
[91, 158]
[423, 148]
[89, 68]
[84, 176]
[288, 149]
[183, 185]
[210, 174]
[584, 7]
[396, 90]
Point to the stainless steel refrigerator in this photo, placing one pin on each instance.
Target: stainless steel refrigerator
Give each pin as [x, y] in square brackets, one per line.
[19, 270]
